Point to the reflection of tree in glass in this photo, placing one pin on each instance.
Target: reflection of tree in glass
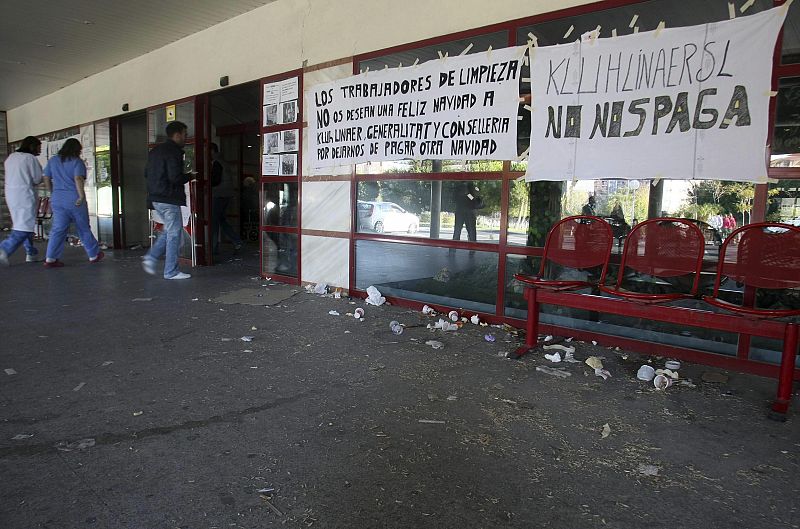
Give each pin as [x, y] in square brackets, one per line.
[709, 197]
[784, 201]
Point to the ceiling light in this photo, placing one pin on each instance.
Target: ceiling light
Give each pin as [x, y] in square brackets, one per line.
[88, 22]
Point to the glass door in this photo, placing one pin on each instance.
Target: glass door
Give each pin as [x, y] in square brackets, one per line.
[192, 112]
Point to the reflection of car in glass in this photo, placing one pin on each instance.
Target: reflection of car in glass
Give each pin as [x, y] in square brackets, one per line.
[385, 217]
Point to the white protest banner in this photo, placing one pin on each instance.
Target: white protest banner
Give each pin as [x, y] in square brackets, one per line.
[461, 108]
[682, 103]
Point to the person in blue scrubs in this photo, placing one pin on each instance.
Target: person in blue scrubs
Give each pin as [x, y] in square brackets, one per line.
[65, 174]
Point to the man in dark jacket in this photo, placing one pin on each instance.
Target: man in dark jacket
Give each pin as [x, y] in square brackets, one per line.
[165, 191]
[467, 202]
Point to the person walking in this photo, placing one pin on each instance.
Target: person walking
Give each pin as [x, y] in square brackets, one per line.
[223, 192]
[23, 174]
[65, 174]
[165, 192]
[726, 224]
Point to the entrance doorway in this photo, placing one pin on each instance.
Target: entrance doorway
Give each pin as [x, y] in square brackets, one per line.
[234, 114]
[133, 187]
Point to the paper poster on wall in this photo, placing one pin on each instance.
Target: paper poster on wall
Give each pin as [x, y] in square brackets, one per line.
[272, 94]
[272, 142]
[289, 140]
[288, 89]
[681, 103]
[288, 164]
[43, 154]
[87, 154]
[270, 115]
[454, 108]
[288, 112]
[270, 165]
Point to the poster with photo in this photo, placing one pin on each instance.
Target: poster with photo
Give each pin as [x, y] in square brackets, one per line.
[288, 89]
[272, 142]
[270, 165]
[288, 111]
[289, 140]
[270, 115]
[288, 164]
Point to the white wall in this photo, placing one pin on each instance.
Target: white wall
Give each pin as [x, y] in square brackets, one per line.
[272, 39]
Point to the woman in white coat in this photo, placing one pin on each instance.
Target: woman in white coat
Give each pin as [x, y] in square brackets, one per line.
[23, 174]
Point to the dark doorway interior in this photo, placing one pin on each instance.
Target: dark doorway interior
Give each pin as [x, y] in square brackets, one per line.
[133, 147]
[234, 128]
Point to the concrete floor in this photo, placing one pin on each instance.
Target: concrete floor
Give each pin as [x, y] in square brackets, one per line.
[185, 422]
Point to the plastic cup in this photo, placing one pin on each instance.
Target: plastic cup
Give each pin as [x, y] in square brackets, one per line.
[662, 382]
[646, 373]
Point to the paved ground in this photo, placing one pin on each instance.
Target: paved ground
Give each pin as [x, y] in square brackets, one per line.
[184, 423]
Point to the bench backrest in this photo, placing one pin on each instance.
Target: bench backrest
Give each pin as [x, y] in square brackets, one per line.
[664, 247]
[578, 242]
[761, 255]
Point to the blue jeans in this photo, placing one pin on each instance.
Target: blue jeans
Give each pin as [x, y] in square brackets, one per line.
[65, 214]
[218, 221]
[17, 238]
[168, 243]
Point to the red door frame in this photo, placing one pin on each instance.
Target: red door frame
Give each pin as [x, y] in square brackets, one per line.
[298, 125]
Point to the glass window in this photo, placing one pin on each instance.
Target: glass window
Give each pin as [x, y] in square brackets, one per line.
[786, 137]
[450, 277]
[431, 208]
[157, 121]
[280, 204]
[784, 202]
[480, 43]
[717, 207]
[790, 49]
[674, 13]
[279, 253]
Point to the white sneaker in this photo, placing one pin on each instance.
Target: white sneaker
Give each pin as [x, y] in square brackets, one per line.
[33, 258]
[3, 258]
[149, 266]
[180, 275]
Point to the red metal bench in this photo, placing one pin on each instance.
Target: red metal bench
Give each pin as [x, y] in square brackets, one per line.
[661, 248]
[778, 248]
[580, 242]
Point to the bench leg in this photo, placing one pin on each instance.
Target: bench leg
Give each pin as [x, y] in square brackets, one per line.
[532, 324]
[786, 374]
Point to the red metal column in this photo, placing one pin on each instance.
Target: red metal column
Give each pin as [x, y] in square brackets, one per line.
[781, 404]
